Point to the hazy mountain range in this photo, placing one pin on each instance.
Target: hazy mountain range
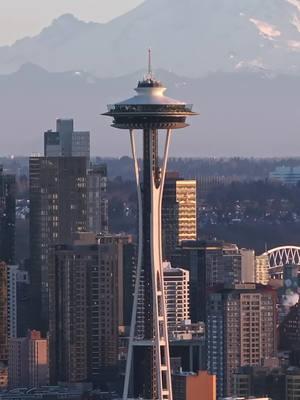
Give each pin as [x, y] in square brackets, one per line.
[190, 37]
[242, 58]
[248, 114]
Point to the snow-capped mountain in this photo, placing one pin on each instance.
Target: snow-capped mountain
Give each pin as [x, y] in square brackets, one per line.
[191, 37]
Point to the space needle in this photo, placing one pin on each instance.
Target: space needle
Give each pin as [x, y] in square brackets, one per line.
[148, 370]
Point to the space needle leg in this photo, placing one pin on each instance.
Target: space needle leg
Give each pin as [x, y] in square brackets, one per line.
[138, 270]
[162, 357]
[163, 303]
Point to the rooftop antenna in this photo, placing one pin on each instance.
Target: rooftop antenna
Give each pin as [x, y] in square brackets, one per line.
[150, 73]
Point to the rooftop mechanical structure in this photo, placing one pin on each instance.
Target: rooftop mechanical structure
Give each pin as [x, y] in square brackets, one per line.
[150, 111]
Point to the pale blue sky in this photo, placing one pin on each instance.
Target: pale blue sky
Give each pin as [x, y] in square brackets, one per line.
[19, 18]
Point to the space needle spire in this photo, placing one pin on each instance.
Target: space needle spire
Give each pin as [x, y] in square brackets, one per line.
[148, 371]
[150, 63]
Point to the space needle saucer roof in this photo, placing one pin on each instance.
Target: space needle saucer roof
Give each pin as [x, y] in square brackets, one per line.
[150, 91]
[150, 107]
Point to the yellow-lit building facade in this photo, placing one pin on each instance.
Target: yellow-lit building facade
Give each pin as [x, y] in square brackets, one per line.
[186, 197]
[262, 269]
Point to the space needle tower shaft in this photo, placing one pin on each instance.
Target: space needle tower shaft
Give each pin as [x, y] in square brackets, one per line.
[148, 371]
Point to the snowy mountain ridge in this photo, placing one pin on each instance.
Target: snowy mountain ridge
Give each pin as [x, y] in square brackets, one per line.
[191, 37]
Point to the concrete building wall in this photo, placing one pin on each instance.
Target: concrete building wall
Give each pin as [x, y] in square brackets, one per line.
[7, 217]
[210, 263]
[38, 362]
[179, 212]
[28, 361]
[15, 278]
[203, 383]
[58, 207]
[293, 387]
[85, 310]
[186, 197]
[12, 271]
[18, 363]
[192, 386]
[3, 312]
[241, 327]
[97, 203]
[176, 283]
[66, 142]
[262, 269]
[248, 266]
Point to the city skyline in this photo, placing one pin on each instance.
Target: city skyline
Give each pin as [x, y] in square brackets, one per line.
[148, 276]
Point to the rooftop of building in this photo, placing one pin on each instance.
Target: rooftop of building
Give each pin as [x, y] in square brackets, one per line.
[167, 267]
[190, 373]
[211, 244]
[268, 370]
[88, 239]
[242, 288]
[59, 391]
[245, 398]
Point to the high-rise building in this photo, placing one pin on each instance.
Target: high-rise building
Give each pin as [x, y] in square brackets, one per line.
[97, 200]
[150, 111]
[28, 364]
[261, 381]
[293, 384]
[3, 324]
[23, 309]
[262, 266]
[286, 175]
[3, 312]
[17, 278]
[86, 308]
[179, 212]
[289, 338]
[169, 215]
[66, 142]
[176, 283]
[129, 276]
[280, 383]
[58, 208]
[241, 330]
[7, 217]
[210, 263]
[248, 266]
[188, 347]
[186, 196]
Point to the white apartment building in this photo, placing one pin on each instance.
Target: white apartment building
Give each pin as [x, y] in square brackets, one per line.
[176, 285]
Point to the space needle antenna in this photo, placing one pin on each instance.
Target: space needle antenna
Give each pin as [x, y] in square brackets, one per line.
[150, 74]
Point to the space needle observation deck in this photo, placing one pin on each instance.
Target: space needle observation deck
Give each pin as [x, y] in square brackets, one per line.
[150, 108]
